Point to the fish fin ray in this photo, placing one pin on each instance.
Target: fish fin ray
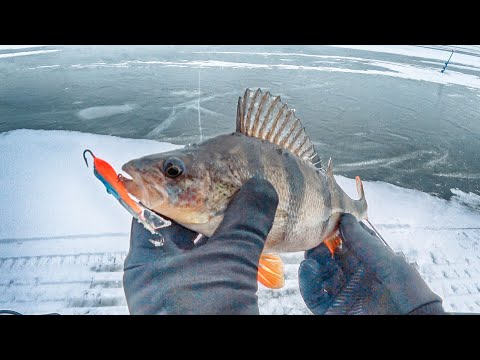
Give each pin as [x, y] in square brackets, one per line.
[359, 184]
[239, 113]
[333, 243]
[271, 271]
[251, 111]
[266, 117]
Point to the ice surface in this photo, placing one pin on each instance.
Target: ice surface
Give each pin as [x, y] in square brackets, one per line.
[420, 52]
[419, 72]
[423, 69]
[185, 107]
[16, 47]
[185, 93]
[104, 111]
[63, 239]
[401, 70]
[472, 200]
[25, 53]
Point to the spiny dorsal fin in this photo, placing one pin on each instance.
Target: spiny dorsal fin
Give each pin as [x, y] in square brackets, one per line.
[265, 117]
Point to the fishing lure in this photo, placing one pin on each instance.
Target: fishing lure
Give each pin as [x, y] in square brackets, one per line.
[107, 175]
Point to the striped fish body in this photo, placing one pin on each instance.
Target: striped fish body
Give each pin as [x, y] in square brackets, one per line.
[195, 184]
[310, 200]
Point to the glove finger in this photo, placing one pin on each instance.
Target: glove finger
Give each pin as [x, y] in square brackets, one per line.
[347, 261]
[367, 248]
[366, 228]
[140, 237]
[321, 253]
[343, 257]
[181, 237]
[311, 279]
[313, 273]
[249, 217]
[142, 246]
[319, 285]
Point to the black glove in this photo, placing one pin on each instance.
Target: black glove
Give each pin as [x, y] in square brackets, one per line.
[363, 277]
[217, 277]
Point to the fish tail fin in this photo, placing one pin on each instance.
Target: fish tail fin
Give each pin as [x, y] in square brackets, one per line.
[360, 190]
[361, 204]
[270, 271]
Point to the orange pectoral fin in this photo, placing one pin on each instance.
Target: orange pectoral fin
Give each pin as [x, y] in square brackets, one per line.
[270, 271]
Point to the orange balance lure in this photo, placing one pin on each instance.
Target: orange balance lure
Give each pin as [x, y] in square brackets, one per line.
[107, 175]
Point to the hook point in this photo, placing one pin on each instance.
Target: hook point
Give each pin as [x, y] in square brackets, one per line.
[85, 158]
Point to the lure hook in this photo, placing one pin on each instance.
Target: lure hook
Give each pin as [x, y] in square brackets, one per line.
[85, 158]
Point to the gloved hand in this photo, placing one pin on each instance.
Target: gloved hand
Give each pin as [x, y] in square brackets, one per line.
[218, 276]
[364, 277]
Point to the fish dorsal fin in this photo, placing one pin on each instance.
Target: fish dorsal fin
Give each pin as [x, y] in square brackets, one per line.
[265, 117]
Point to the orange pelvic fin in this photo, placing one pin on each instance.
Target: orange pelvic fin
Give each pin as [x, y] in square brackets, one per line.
[270, 271]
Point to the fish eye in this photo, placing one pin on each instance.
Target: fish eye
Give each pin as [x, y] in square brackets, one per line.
[173, 167]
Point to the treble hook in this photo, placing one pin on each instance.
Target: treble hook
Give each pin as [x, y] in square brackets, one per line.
[84, 157]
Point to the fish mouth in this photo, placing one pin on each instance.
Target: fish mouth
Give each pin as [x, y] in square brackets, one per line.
[151, 194]
[130, 185]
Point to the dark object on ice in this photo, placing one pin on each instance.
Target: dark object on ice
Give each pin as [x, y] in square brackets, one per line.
[218, 276]
[12, 312]
[446, 64]
[9, 312]
[364, 277]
